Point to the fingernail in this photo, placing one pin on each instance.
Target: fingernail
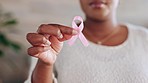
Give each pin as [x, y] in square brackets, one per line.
[48, 42]
[61, 36]
[74, 32]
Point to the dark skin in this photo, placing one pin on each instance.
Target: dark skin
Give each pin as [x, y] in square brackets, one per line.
[116, 39]
[100, 22]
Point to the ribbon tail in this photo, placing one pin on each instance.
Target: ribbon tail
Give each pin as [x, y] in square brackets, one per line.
[72, 40]
[83, 39]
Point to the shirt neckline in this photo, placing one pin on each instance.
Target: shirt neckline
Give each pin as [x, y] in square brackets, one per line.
[117, 46]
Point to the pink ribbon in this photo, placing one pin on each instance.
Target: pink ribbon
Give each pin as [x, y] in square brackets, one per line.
[79, 29]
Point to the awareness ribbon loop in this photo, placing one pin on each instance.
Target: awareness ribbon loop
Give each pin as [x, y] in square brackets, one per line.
[80, 34]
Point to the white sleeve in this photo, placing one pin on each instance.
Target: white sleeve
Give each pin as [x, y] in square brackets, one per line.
[54, 78]
[54, 75]
[32, 66]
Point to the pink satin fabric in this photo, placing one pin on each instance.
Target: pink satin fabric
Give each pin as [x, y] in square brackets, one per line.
[80, 34]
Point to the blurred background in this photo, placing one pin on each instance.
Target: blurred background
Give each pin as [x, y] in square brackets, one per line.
[18, 17]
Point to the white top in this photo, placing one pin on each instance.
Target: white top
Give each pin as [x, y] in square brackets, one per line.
[125, 63]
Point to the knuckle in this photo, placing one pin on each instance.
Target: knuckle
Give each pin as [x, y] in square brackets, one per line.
[68, 30]
[41, 27]
[35, 39]
[28, 36]
[54, 29]
[29, 51]
[38, 38]
[34, 50]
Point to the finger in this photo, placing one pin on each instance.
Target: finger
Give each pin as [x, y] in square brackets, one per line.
[65, 37]
[67, 30]
[56, 30]
[36, 50]
[50, 30]
[37, 39]
[56, 44]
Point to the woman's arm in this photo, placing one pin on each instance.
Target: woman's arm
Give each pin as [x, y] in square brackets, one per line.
[42, 73]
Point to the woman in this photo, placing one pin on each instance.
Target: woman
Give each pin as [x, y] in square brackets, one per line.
[117, 52]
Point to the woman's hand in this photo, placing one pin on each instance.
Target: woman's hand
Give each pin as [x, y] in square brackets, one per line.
[48, 41]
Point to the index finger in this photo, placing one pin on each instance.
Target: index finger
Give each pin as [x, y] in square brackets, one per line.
[56, 30]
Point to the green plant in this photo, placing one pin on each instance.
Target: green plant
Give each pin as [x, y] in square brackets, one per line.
[7, 21]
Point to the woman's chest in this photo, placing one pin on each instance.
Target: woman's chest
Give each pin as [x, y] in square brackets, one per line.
[112, 67]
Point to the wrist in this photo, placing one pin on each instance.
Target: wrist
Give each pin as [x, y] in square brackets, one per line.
[43, 64]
